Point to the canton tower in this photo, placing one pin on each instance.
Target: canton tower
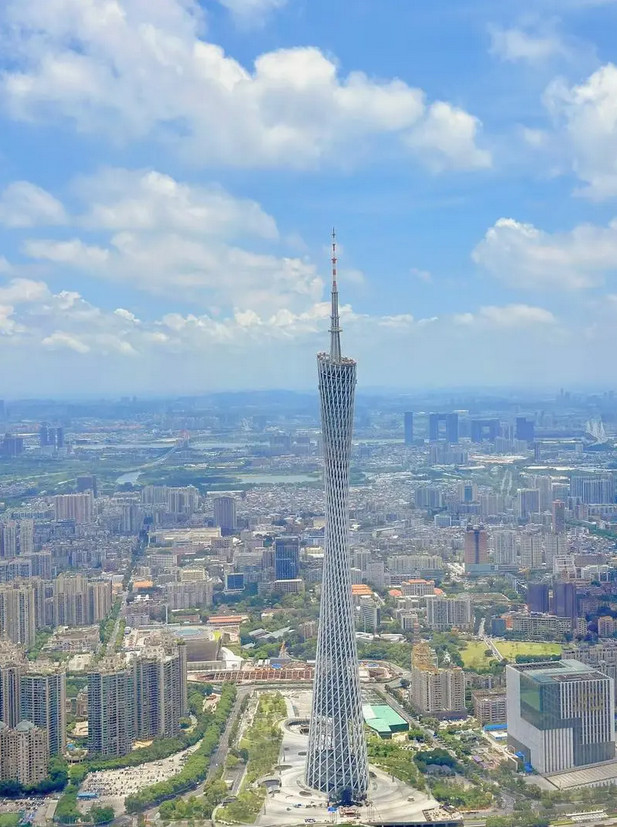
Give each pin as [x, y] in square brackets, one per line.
[337, 759]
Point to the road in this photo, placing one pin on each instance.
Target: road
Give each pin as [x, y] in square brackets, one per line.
[111, 646]
[489, 642]
[218, 759]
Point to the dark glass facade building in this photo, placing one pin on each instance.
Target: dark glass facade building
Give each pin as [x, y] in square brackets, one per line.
[286, 558]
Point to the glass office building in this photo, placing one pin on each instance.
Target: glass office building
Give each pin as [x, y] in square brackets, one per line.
[561, 714]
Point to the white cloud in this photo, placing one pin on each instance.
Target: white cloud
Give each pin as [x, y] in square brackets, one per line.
[146, 200]
[525, 257]
[587, 113]
[23, 204]
[174, 239]
[131, 69]
[171, 264]
[446, 139]
[61, 340]
[252, 11]
[23, 291]
[508, 316]
[74, 252]
[515, 44]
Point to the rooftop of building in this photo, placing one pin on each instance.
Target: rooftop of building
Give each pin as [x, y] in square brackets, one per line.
[558, 671]
[383, 719]
[596, 775]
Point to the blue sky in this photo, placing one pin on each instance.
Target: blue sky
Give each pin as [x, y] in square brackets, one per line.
[170, 171]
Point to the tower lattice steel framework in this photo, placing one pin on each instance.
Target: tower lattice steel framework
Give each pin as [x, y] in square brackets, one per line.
[337, 758]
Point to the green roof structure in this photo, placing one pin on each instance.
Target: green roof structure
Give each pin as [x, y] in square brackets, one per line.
[383, 720]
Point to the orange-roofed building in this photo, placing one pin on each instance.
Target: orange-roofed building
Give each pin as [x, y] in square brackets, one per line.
[358, 591]
[142, 585]
[395, 593]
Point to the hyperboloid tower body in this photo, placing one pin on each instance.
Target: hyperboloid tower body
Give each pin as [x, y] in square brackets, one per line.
[337, 759]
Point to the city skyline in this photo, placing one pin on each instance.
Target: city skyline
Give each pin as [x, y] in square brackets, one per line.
[466, 154]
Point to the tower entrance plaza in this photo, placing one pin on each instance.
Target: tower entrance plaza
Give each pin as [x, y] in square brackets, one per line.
[291, 801]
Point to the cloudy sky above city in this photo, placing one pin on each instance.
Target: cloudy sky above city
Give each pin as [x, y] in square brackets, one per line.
[170, 171]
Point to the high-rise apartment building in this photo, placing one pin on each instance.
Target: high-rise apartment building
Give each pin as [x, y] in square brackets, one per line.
[287, 558]
[111, 710]
[429, 496]
[561, 715]
[528, 502]
[24, 753]
[142, 699]
[491, 504]
[77, 507]
[369, 614]
[337, 762]
[504, 547]
[489, 707]
[559, 517]
[43, 701]
[18, 612]
[444, 613]
[154, 494]
[10, 687]
[434, 690]
[532, 550]
[408, 424]
[183, 500]
[544, 485]
[160, 692]
[8, 539]
[476, 548]
[12, 446]
[189, 594]
[12, 666]
[555, 546]
[225, 514]
[79, 601]
[593, 488]
[26, 537]
[99, 599]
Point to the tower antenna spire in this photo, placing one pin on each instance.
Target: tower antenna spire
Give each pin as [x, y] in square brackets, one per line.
[335, 326]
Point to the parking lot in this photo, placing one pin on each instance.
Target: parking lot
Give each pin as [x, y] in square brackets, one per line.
[112, 786]
[35, 810]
